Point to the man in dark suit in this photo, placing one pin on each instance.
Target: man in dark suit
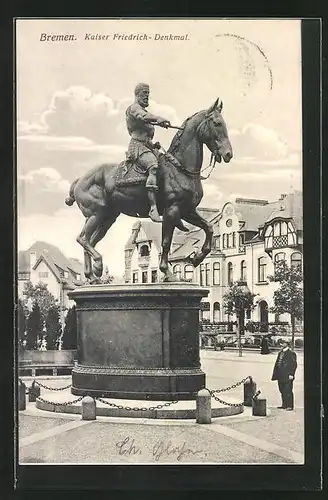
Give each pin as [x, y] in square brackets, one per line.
[284, 372]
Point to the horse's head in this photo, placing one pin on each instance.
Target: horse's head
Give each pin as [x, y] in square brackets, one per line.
[214, 133]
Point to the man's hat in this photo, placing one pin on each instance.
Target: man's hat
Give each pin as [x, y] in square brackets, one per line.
[140, 87]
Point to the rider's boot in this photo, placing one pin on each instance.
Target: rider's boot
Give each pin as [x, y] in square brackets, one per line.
[152, 188]
[153, 212]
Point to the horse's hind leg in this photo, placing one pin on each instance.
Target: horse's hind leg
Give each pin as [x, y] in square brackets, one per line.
[87, 265]
[87, 258]
[101, 231]
[91, 225]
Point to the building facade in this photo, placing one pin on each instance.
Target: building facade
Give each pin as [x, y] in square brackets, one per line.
[45, 263]
[250, 236]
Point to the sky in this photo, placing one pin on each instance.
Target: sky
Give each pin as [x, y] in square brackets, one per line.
[71, 98]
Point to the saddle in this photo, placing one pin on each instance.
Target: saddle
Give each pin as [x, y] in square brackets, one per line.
[130, 174]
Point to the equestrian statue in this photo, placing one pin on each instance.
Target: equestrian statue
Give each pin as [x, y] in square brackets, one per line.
[151, 182]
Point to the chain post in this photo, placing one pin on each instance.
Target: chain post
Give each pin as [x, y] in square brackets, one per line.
[233, 386]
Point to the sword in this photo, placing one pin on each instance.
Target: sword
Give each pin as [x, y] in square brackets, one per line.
[173, 126]
[168, 126]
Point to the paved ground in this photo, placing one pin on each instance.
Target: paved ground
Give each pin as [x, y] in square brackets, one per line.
[277, 438]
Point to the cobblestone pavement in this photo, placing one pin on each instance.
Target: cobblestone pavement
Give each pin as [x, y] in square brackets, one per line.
[277, 438]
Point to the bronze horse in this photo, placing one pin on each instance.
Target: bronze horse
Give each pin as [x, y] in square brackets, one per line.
[101, 200]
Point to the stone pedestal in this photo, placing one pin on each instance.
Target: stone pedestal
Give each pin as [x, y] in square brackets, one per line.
[138, 341]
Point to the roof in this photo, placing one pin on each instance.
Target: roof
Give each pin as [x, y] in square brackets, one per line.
[54, 258]
[153, 230]
[255, 214]
[290, 207]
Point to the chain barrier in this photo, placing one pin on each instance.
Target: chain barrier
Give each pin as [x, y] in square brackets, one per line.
[225, 389]
[224, 402]
[233, 386]
[52, 388]
[137, 408]
[65, 403]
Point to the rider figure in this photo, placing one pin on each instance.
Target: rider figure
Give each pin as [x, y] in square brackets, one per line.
[141, 148]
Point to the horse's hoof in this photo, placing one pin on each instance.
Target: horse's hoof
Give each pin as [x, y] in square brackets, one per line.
[97, 271]
[182, 227]
[95, 281]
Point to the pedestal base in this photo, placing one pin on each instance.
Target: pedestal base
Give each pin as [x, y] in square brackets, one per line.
[158, 384]
[138, 341]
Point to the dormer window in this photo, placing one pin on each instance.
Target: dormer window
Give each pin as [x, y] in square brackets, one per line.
[144, 251]
[65, 274]
[280, 234]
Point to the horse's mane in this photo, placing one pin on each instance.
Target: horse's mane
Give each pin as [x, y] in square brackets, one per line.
[177, 138]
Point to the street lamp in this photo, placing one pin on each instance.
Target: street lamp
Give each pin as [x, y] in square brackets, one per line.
[242, 285]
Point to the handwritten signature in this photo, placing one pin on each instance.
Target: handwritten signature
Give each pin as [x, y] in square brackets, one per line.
[128, 447]
[161, 448]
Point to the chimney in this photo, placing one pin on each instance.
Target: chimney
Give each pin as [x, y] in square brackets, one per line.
[32, 260]
[282, 196]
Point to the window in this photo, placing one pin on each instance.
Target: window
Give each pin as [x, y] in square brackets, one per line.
[296, 260]
[154, 276]
[241, 238]
[282, 234]
[216, 273]
[230, 273]
[262, 269]
[243, 270]
[228, 240]
[144, 251]
[24, 276]
[217, 242]
[291, 234]
[279, 257]
[43, 275]
[177, 271]
[205, 311]
[224, 237]
[189, 272]
[78, 276]
[201, 270]
[144, 276]
[234, 239]
[216, 311]
[65, 274]
[135, 277]
[207, 274]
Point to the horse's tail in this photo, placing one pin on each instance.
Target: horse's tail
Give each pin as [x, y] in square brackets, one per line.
[71, 198]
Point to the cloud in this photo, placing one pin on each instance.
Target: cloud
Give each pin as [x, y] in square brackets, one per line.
[257, 143]
[77, 111]
[26, 127]
[212, 195]
[71, 143]
[46, 179]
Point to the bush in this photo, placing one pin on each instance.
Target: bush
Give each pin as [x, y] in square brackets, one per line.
[53, 328]
[34, 328]
[70, 330]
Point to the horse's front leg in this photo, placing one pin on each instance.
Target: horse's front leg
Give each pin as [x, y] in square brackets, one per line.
[195, 219]
[168, 226]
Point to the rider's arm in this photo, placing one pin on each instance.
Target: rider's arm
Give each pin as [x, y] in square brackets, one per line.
[140, 113]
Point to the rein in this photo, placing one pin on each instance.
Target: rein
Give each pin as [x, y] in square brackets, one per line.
[177, 164]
